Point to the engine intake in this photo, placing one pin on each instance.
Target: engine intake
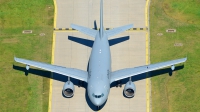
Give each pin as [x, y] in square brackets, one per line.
[68, 89]
[129, 89]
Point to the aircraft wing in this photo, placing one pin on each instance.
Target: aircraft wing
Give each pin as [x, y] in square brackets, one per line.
[118, 30]
[85, 30]
[128, 72]
[71, 72]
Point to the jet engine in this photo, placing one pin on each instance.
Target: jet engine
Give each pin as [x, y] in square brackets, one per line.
[68, 89]
[129, 89]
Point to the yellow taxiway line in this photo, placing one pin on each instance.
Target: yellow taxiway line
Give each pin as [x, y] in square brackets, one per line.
[147, 56]
[52, 57]
[55, 13]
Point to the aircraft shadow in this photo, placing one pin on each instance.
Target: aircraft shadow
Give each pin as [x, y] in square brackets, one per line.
[95, 25]
[89, 43]
[118, 40]
[86, 42]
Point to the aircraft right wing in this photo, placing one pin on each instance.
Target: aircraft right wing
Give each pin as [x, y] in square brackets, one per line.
[128, 72]
[71, 72]
[85, 30]
[118, 30]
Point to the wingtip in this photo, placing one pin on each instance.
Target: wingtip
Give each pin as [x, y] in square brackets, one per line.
[185, 58]
[15, 58]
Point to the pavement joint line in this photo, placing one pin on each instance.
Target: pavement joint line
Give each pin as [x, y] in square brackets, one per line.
[147, 56]
[52, 57]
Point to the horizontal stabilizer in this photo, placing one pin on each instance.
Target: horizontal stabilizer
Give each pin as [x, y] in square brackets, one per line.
[85, 30]
[118, 30]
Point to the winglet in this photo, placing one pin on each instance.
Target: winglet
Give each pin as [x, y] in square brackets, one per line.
[185, 59]
[15, 58]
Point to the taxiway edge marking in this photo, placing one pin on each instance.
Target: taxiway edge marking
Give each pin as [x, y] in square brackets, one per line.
[55, 13]
[51, 80]
[52, 56]
[147, 56]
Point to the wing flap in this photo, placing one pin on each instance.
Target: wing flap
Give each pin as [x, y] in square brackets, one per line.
[128, 72]
[71, 72]
[85, 30]
[118, 30]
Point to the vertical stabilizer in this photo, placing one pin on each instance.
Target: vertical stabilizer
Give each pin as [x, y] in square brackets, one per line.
[101, 18]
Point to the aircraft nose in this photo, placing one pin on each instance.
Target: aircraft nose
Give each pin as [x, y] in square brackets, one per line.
[98, 102]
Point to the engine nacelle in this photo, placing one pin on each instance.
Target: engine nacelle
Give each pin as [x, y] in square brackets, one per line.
[27, 67]
[68, 89]
[172, 67]
[129, 89]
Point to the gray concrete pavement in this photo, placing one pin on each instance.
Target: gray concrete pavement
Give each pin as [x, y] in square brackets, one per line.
[130, 53]
[116, 13]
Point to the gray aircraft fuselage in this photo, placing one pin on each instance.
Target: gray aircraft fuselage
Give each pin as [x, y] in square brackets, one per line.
[99, 70]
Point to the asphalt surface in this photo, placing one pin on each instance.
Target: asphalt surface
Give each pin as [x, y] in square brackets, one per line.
[130, 53]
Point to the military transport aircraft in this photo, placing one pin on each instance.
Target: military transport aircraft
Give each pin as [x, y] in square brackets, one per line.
[99, 75]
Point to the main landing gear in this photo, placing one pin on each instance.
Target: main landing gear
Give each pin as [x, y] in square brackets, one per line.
[119, 83]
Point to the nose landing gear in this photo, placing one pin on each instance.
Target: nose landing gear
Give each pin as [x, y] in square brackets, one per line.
[98, 108]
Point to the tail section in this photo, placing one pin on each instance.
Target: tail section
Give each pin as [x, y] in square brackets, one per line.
[101, 18]
[93, 33]
[114, 31]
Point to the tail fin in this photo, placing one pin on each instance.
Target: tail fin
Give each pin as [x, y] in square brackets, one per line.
[101, 18]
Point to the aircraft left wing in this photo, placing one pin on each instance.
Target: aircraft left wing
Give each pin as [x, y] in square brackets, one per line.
[128, 72]
[71, 72]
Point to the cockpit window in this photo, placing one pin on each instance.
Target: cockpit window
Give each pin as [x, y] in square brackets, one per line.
[97, 96]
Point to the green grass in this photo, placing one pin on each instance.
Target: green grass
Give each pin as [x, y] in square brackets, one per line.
[18, 92]
[179, 92]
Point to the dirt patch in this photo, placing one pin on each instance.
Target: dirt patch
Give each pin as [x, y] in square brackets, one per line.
[42, 34]
[159, 34]
[178, 44]
[11, 40]
[166, 6]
